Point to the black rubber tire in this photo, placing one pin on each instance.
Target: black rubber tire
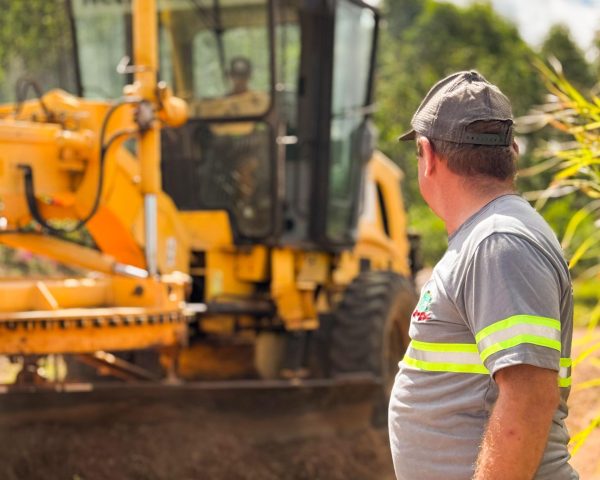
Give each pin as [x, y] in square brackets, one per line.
[369, 331]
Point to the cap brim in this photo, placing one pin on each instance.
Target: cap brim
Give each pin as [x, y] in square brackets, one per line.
[410, 135]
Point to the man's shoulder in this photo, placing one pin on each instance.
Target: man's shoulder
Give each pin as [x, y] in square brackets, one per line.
[510, 216]
[507, 226]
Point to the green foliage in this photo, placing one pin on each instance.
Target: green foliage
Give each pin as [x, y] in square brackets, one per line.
[596, 63]
[576, 176]
[586, 291]
[442, 39]
[401, 14]
[427, 40]
[558, 44]
[35, 41]
[433, 240]
[20, 263]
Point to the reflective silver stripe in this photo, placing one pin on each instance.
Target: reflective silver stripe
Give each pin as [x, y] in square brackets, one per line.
[564, 372]
[444, 357]
[462, 358]
[470, 358]
[515, 330]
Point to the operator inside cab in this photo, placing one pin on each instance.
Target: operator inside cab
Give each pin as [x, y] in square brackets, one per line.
[239, 74]
[240, 101]
[238, 150]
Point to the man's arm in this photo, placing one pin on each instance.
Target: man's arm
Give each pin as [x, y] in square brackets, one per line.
[518, 428]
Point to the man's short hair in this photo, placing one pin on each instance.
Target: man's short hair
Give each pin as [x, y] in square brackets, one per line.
[469, 122]
[492, 161]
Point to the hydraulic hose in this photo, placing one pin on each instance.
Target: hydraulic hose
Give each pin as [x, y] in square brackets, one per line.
[29, 184]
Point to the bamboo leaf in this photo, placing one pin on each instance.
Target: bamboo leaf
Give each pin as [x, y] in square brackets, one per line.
[576, 220]
[571, 228]
[586, 353]
[540, 167]
[582, 249]
[578, 440]
[569, 172]
[587, 385]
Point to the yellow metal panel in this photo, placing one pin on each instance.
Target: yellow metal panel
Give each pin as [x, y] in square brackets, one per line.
[220, 325]
[15, 296]
[120, 242]
[216, 362]
[221, 279]
[283, 285]
[207, 230]
[252, 264]
[314, 267]
[295, 300]
[21, 295]
[388, 176]
[173, 238]
[147, 293]
[43, 298]
[35, 145]
[118, 161]
[347, 268]
[28, 338]
[383, 251]
[79, 292]
[61, 250]
[283, 269]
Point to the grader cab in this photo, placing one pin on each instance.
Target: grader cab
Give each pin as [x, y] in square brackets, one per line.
[219, 189]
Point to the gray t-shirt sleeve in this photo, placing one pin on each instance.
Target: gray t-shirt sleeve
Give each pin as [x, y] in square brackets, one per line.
[511, 295]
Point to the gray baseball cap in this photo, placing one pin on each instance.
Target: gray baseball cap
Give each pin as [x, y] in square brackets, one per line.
[240, 67]
[458, 101]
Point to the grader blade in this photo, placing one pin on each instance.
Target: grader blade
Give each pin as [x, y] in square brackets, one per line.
[258, 399]
[265, 410]
[221, 431]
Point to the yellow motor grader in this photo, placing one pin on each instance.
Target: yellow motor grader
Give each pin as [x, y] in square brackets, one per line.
[228, 212]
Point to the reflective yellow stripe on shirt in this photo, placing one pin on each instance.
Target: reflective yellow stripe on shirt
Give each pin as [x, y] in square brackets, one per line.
[444, 357]
[564, 373]
[461, 358]
[517, 330]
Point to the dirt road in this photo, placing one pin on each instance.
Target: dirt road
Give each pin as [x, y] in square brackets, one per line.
[584, 403]
[195, 436]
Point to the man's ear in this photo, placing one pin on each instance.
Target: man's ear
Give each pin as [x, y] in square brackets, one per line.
[515, 147]
[428, 156]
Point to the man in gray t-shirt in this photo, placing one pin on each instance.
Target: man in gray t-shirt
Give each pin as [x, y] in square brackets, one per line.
[481, 392]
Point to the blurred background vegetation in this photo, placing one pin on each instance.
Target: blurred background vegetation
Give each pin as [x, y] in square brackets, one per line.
[425, 40]
[421, 41]
[554, 90]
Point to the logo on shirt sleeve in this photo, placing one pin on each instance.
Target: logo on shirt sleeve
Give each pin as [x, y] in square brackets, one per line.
[422, 311]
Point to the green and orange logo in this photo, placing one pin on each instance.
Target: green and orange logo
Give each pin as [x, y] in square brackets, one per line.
[422, 311]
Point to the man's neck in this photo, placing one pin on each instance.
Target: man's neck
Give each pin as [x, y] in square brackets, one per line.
[467, 199]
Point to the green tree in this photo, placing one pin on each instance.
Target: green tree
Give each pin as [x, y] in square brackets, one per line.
[558, 44]
[596, 63]
[575, 164]
[35, 41]
[427, 43]
[401, 14]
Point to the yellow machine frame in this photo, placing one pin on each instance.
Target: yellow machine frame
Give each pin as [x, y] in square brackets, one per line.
[138, 231]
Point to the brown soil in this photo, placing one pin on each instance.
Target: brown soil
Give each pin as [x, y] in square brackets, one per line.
[194, 435]
[584, 404]
[182, 451]
[200, 435]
